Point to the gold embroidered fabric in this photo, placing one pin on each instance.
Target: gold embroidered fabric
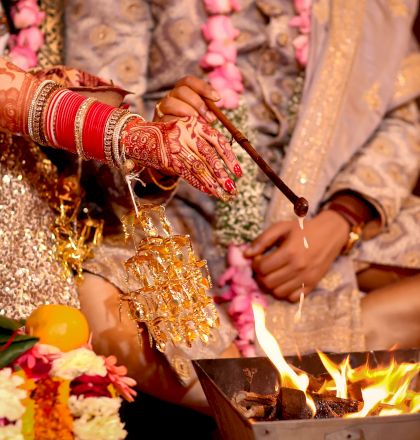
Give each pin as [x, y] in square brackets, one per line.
[386, 169]
[407, 84]
[30, 274]
[51, 53]
[372, 97]
[385, 172]
[340, 332]
[304, 162]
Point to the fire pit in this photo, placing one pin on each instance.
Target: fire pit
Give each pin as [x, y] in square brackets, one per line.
[223, 379]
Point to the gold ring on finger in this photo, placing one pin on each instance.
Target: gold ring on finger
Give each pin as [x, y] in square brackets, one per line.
[158, 111]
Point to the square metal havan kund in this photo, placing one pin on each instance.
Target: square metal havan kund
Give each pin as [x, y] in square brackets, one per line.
[222, 378]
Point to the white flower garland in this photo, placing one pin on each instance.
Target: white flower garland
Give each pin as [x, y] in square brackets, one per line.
[96, 418]
[240, 221]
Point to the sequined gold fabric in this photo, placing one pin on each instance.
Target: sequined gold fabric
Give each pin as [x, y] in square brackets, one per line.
[30, 274]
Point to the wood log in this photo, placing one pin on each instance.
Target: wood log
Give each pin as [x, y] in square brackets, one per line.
[253, 405]
[292, 405]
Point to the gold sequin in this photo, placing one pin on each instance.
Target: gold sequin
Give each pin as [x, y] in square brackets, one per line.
[369, 176]
[102, 35]
[182, 367]
[283, 39]
[30, 274]
[411, 259]
[128, 69]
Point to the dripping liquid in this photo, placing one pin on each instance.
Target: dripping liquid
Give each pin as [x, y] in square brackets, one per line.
[298, 314]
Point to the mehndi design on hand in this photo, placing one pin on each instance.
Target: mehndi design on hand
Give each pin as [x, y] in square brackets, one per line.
[188, 147]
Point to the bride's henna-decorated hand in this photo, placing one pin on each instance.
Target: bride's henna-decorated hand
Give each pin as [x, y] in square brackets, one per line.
[16, 92]
[187, 147]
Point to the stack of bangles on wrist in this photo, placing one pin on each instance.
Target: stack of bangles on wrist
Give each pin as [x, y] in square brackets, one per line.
[64, 119]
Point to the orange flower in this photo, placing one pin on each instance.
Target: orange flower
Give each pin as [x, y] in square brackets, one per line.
[118, 378]
[53, 419]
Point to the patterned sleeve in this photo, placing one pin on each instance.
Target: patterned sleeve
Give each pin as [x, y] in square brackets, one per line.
[385, 170]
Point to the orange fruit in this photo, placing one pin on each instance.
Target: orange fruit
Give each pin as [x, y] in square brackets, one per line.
[64, 327]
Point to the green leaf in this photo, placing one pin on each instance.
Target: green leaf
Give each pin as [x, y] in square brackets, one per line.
[11, 324]
[15, 350]
[17, 338]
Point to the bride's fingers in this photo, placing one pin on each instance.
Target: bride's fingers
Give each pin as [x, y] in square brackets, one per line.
[194, 169]
[209, 155]
[223, 148]
[192, 98]
[170, 105]
[199, 86]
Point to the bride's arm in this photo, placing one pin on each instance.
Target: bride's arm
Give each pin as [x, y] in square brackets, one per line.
[55, 116]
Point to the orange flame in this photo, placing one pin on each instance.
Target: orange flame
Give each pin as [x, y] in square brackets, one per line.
[338, 373]
[289, 378]
[385, 390]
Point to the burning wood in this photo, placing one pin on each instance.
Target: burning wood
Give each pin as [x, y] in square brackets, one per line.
[293, 405]
[254, 405]
[290, 403]
[346, 392]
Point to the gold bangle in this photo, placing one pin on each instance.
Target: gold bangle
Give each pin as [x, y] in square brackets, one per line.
[78, 126]
[159, 185]
[36, 111]
[117, 149]
[355, 236]
[109, 131]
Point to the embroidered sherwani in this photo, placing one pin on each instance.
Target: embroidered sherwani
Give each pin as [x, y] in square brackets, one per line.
[356, 129]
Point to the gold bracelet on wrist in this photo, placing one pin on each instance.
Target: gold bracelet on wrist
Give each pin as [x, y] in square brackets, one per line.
[109, 132]
[36, 111]
[159, 185]
[117, 149]
[356, 225]
[78, 126]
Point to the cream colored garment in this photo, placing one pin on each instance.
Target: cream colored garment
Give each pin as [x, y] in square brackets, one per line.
[339, 113]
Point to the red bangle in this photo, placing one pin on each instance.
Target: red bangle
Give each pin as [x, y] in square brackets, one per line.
[94, 130]
[49, 123]
[66, 115]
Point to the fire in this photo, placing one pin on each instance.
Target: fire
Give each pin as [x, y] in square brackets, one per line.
[384, 389]
[289, 378]
[338, 373]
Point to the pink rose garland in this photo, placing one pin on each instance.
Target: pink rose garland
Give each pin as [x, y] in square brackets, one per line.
[302, 21]
[24, 46]
[221, 54]
[241, 290]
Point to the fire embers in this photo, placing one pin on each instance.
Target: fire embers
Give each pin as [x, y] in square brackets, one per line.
[167, 284]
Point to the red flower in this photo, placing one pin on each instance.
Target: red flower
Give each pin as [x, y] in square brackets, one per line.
[90, 386]
[37, 362]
